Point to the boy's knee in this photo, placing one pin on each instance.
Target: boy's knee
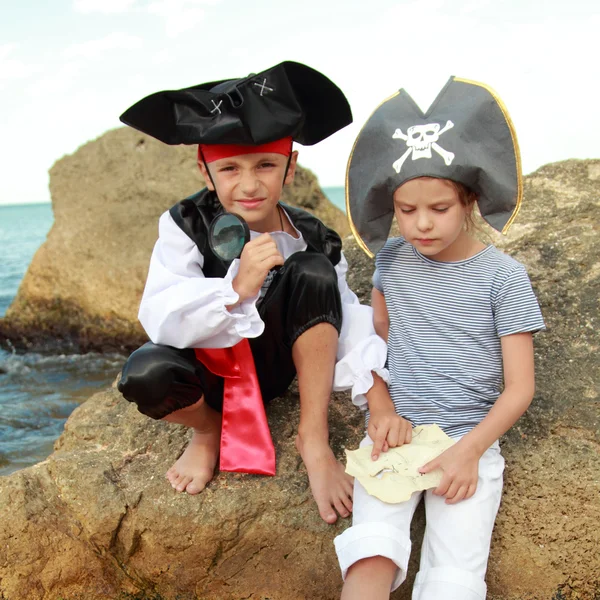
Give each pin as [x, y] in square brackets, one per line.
[144, 371]
[313, 266]
[306, 293]
[148, 379]
[192, 408]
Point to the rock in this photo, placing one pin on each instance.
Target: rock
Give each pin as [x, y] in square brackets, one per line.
[84, 284]
[548, 520]
[97, 521]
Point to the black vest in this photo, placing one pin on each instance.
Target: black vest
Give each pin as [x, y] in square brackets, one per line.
[194, 215]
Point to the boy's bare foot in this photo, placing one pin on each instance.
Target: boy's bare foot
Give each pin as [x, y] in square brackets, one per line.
[331, 487]
[196, 466]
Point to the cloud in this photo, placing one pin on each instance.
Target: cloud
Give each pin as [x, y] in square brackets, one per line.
[180, 15]
[102, 6]
[12, 68]
[55, 82]
[97, 48]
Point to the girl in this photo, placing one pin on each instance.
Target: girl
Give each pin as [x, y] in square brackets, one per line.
[458, 316]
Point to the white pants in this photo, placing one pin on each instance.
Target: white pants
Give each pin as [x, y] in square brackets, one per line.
[456, 543]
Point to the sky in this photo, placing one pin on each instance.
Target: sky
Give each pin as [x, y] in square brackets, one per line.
[69, 68]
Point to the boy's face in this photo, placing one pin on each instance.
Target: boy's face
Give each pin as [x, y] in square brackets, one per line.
[250, 185]
[432, 218]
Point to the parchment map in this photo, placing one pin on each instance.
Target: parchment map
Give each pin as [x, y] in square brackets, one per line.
[394, 476]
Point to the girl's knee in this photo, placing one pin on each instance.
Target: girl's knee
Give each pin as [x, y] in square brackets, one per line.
[450, 583]
[374, 566]
[369, 578]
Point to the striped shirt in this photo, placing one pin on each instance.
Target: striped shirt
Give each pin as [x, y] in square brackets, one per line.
[446, 321]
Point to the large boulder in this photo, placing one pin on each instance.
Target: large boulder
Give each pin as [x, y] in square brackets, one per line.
[97, 521]
[85, 283]
[98, 518]
[547, 535]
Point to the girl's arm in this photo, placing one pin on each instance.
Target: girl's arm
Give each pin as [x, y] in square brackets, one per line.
[519, 387]
[386, 428]
[460, 462]
[361, 366]
[381, 318]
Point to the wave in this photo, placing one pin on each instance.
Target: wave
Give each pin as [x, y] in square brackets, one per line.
[38, 392]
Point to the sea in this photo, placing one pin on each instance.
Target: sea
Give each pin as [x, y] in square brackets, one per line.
[39, 391]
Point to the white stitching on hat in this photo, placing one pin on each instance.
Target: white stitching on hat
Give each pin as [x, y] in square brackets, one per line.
[264, 87]
[216, 106]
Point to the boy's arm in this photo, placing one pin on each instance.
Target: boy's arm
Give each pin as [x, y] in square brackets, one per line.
[258, 257]
[181, 307]
[361, 352]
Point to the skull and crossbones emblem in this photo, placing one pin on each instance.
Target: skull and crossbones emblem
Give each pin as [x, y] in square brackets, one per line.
[420, 139]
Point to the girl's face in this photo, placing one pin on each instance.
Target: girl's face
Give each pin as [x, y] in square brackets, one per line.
[250, 186]
[432, 218]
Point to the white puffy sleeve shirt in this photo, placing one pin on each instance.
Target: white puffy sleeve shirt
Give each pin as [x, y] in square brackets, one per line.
[181, 307]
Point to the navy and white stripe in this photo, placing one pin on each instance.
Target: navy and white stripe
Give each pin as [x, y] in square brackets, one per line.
[446, 321]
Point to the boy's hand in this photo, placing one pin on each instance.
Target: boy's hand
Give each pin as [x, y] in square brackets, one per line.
[460, 464]
[258, 257]
[387, 429]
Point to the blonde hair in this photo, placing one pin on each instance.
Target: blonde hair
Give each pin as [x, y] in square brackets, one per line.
[468, 198]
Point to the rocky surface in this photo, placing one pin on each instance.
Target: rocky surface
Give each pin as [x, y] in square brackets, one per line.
[97, 521]
[547, 538]
[84, 284]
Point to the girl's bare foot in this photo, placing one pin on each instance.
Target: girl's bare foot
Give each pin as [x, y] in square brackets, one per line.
[331, 487]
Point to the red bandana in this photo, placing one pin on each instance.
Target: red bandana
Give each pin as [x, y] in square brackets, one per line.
[212, 152]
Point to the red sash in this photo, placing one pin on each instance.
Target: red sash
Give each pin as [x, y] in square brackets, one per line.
[246, 444]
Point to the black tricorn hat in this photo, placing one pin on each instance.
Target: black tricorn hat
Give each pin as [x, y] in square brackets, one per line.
[289, 99]
[473, 142]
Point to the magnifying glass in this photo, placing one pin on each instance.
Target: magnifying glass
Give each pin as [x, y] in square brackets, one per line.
[227, 236]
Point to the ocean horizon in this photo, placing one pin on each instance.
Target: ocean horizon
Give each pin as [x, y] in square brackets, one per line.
[38, 392]
[335, 195]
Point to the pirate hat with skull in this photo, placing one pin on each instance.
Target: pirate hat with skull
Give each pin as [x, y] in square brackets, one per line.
[287, 100]
[466, 135]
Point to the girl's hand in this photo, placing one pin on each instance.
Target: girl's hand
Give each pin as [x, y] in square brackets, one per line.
[460, 464]
[388, 430]
[258, 257]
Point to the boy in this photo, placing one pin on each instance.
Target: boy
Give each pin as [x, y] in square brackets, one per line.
[225, 335]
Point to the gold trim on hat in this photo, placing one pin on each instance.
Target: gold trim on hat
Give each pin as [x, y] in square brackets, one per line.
[353, 229]
[513, 135]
